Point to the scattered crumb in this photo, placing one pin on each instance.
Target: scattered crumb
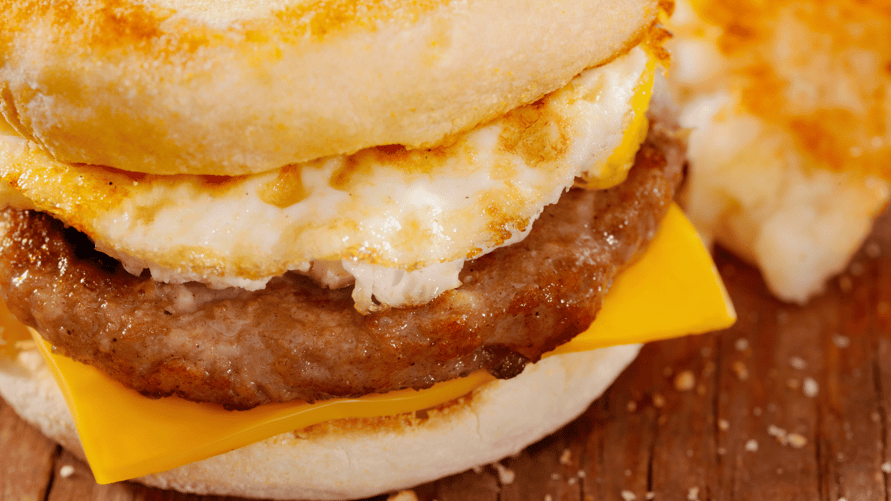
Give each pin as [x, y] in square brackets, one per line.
[548, 497]
[779, 433]
[797, 363]
[505, 475]
[757, 411]
[872, 250]
[627, 473]
[752, 445]
[566, 457]
[840, 457]
[779, 471]
[66, 471]
[651, 495]
[477, 469]
[875, 416]
[705, 351]
[742, 372]
[632, 406]
[793, 384]
[581, 474]
[693, 494]
[403, 496]
[689, 453]
[555, 476]
[741, 344]
[684, 381]
[722, 451]
[658, 400]
[842, 499]
[571, 481]
[856, 268]
[628, 496]
[841, 341]
[810, 388]
[796, 441]
[723, 425]
[886, 467]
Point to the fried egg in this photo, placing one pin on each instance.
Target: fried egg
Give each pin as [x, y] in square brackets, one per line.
[399, 222]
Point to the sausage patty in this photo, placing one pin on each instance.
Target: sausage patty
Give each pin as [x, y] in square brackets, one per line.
[294, 340]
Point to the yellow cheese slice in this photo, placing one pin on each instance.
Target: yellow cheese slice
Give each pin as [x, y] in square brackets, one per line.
[673, 289]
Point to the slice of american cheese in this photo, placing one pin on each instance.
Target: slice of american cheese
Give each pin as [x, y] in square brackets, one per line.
[672, 290]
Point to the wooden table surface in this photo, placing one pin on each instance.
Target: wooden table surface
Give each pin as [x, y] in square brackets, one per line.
[790, 404]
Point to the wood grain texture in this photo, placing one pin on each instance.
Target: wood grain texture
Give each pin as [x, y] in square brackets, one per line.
[791, 403]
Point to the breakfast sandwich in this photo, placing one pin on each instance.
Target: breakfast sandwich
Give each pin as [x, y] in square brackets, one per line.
[328, 249]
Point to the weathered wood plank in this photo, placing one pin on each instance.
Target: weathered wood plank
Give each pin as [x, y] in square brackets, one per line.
[26, 459]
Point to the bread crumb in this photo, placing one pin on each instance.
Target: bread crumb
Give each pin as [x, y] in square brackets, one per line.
[477, 469]
[651, 495]
[403, 496]
[571, 481]
[810, 388]
[752, 445]
[693, 494]
[658, 400]
[632, 406]
[505, 475]
[581, 474]
[566, 457]
[793, 383]
[841, 341]
[742, 372]
[722, 451]
[741, 344]
[627, 473]
[886, 467]
[628, 496]
[797, 363]
[684, 381]
[872, 250]
[548, 497]
[777, 432]
[756, 411]
[723, 425]
[66, 471]
[796, 441]
[555, 476]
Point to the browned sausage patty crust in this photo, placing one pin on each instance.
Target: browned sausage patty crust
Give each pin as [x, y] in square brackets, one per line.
[294, 340]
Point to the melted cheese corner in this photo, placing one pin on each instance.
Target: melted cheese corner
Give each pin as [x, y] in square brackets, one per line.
[673, 289]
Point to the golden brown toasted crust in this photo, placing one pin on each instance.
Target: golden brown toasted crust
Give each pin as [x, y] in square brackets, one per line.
[244, 87]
